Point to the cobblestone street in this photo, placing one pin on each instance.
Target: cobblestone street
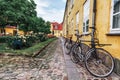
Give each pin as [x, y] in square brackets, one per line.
[54, 65]
[50, 67]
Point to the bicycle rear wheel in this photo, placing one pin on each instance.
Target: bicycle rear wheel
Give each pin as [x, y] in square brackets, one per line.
[99, 62]
[73, 55]
[68, 46]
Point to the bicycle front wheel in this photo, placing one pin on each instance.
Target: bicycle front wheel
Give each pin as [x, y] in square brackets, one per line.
[99, 62]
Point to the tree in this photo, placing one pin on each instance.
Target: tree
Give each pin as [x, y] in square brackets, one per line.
[17, 12]
[46, 29]
[22, 13]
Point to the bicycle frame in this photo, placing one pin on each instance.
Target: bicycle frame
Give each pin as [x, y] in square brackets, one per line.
[78, 42]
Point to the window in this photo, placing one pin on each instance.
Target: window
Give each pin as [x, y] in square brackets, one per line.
[56, 27]
[86, 16]
[71, 3]
[72, 26]
[72, 23]
[77, 20]
[115, 14]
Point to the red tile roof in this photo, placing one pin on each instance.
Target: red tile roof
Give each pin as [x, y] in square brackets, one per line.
[8, 26]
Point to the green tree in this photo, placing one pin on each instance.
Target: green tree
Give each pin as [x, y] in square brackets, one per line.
[16, 12]
[46, 28]
[22, 14]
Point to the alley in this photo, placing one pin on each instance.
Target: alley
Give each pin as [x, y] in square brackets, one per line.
[54, 65]
[51, 66]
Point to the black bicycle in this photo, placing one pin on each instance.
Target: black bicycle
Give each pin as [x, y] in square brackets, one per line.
[98, 61]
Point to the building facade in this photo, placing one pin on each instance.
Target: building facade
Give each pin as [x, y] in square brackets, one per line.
[56, 29]
[10, 30]
[79, 15]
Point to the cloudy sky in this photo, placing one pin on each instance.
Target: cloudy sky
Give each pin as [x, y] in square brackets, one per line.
[51, 10]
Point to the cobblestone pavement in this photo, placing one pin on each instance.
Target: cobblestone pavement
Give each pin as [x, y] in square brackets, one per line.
[80, 70]
[54, 65]
[50, 67]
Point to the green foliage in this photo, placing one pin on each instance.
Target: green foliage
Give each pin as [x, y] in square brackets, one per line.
[3, 39]
[26, 51]
[16, 11]
[22, 42]
[22, 13]
[17, 43]
[41, 37]
[29, 40]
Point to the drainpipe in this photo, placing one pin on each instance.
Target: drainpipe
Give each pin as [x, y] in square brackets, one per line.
[94, 14]
[94, 18]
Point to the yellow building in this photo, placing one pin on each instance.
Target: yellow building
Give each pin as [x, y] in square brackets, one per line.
[79, 15]
[11, 30]
[56, 29]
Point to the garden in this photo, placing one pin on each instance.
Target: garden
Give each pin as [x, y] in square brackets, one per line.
[23, 16]
[24, 45]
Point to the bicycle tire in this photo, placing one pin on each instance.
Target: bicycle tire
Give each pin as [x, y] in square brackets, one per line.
[101, 67]
[68, 47]
[73, 56]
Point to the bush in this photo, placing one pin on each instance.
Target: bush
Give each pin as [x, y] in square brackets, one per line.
[9, 41]
[21, 42]
[42, 37]
[17, 43]
[50, 36]
[28, 41]
[3, 39]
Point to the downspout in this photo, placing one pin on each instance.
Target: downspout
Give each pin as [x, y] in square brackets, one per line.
[94, 14]
[94, 19]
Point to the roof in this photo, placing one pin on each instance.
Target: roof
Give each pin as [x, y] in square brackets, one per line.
[13, 27]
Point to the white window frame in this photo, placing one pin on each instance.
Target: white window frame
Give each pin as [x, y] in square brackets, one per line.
[86, 13]
[117, 30]
[77, 20]
[71, 3]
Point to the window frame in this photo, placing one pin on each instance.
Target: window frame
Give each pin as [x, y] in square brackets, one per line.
[72, 26]
[86, 17]
[116, 30]
[77, 20]
[71, 3]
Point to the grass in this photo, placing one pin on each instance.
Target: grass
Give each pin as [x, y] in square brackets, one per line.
[28, 52]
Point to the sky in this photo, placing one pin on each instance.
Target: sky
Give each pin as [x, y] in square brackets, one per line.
[51, 10]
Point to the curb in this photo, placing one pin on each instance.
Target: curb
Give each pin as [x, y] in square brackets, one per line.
[71, 68]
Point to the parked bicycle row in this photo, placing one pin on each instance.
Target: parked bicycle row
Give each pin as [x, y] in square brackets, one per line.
[98, 61]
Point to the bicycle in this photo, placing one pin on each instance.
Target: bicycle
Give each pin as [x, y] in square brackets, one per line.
[68, 44]
[75, 57]
[98, 61]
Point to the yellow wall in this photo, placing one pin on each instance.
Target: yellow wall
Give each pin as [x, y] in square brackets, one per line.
[103, 28]
[51, 28]
[102, 23]
[10, 31]
[57, 33]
